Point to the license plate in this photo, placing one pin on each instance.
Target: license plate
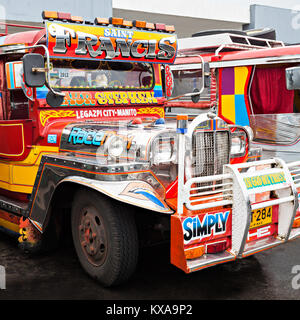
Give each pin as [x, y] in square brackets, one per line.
[260, 217]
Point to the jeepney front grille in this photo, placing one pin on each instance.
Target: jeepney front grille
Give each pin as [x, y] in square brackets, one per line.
[210, 152]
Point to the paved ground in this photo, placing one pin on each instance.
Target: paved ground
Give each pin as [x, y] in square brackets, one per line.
[58, 275]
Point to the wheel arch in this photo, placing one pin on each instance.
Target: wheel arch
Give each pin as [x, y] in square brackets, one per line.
[62, 196]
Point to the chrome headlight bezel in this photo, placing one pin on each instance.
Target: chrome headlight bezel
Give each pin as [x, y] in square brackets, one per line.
[239, 144]
[164, 149]
[115, 146]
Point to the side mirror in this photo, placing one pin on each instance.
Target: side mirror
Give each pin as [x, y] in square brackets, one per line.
[34, 70]
[292, 77]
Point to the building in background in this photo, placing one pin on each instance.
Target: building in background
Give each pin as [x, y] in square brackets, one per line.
[286, 22]
[29, 12]
[191, 16]
[188, 16]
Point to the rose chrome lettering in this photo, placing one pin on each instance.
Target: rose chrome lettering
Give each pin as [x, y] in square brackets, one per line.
[94, 137]
[63, 37]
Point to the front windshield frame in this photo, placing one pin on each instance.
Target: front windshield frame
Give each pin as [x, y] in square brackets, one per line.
[110, 69]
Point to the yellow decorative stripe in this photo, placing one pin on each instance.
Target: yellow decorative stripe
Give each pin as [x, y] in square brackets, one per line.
[151, 110]
[19, 176]
[48, 114]
[9, 225]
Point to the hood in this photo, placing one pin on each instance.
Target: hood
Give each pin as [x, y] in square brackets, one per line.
[110, 141]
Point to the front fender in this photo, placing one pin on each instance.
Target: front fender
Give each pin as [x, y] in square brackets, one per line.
[57, 170]
[135, 192]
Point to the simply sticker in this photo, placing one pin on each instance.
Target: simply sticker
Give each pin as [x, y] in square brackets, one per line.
[211, 224]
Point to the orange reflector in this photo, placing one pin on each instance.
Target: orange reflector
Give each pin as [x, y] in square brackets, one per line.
[77, 19]
[49, 15]
[170, 28]
[139, 24]
[116, 21]
[150, 26]
[296, 223]
[102, 21]
[64, 16]
[193, 253]
[182, 117]
[127, 23]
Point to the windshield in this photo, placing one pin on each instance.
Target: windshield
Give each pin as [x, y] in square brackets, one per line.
[104, 75]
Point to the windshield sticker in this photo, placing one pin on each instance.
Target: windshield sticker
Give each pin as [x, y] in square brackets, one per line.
[100, 98]
[264, 180]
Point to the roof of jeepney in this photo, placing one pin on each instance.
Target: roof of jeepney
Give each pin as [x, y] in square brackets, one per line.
[247, 57]
[263, 53]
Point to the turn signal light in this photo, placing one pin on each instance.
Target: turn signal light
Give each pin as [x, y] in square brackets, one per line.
[64, 16]
[127, 23]
[193, 253]
[160, 26]
[139, 24]
[182, 117]
[54, 15]
[49, 15]
[77, 19]
[170, 28]
[150, 26]
[102, 21]
[296, 223]
[116, 21]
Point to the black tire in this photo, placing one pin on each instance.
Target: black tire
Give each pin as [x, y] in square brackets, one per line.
[105, 237]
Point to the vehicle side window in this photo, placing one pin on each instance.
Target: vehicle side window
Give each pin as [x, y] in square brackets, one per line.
[297, 101]
[275, 110]
[268, 92]
[19, 105]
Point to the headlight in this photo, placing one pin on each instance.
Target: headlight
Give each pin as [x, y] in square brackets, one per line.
[115, 146]
[163, 150]
[238, 144]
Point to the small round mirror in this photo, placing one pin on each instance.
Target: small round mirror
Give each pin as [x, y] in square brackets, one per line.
[54, 100]
[195, 98]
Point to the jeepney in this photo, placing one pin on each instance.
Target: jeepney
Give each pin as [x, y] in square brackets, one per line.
[85, 144]
[252, 82]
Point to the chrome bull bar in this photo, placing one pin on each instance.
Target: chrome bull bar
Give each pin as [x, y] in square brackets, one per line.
[294, 168]
[238, 187]
[235, 190]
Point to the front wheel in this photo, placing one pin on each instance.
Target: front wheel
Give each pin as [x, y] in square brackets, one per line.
[105, 237]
